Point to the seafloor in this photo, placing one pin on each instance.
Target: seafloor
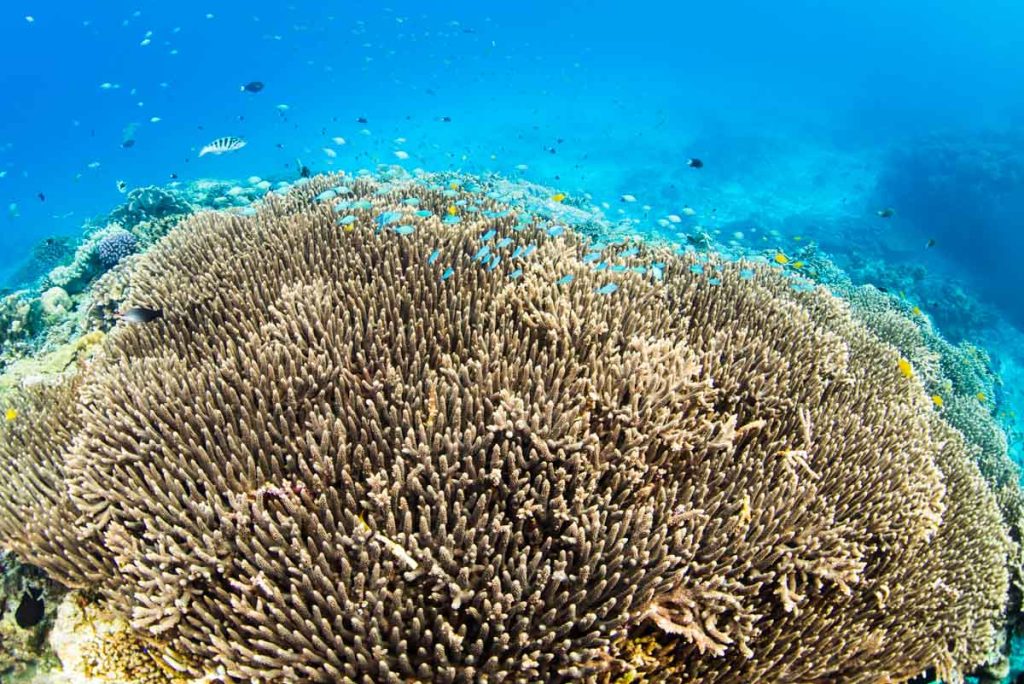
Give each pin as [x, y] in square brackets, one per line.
[67, 320]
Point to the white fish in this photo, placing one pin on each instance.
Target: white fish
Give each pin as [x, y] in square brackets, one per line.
[628, 198]
[687, 211]
[221, 145]
[154, 119]
[338, 140]
[108, 86]
[94, 165]
[521, 167]
[330, 152]
[282, 108]
[674, 219]
[30, 19]
[401, 154]
[400, 141]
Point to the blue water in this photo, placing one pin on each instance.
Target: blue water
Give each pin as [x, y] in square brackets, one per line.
[809, 116]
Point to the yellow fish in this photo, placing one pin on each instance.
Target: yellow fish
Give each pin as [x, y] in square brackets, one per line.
[798, 264]
[11, 414]
[454, 185]
[981, 396]
[916, 311]
[906, 368]
[781, 258]
[937, 400]
[797, 238]
[453, 210]
[560, 197]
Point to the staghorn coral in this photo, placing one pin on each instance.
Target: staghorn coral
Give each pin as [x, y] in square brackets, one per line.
[328, 461]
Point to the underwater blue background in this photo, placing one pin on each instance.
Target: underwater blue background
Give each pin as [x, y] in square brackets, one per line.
[810, 117]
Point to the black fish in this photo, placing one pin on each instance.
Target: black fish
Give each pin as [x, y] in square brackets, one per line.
[253, 87]
[695, 163]
[888, 212]
[140, 314]
[444, 119]
[362, 120]
[128, 143]
[42, 197]
[174, 176]
[305, 172]
[31, 609]
[930, 243]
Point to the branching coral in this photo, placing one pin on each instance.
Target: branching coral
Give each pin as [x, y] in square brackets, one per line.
[360, 446]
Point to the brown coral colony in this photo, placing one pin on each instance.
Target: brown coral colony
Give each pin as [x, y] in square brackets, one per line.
[334, 460]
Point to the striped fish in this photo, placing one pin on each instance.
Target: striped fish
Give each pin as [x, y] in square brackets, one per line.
[221, 145]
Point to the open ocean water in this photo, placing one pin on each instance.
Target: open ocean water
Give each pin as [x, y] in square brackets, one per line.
[886, 136]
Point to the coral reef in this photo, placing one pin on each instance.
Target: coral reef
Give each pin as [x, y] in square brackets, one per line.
[20, 319]
[46, 254]
[55, 304]
[96, 646]
[52, 367]
[384, 436]
[151, 203]
[114, 246]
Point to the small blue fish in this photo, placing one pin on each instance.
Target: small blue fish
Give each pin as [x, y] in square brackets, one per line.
[618, 268]
[447, 273]
[387, 217]
[450, 220]
[503, 242]
[696, 268]
[363, 204]
[423, 213]
[482, 253]
[341, 206]
[530, 249]
[656, 272]
[607, 289]
[714, 281]
[517, 251]
[599, 247]
[433, 256]
[494, 262]
[629, 252]
[566, 279]
[639, 269]
[515, 274]
[593, 256]
[326, 195]
[412, 201]
[555, 231]
[346, 220]
[746, 273]
[601, 266]
[405, 229]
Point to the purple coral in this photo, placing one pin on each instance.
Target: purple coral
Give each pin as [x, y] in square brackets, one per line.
[114, 247]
